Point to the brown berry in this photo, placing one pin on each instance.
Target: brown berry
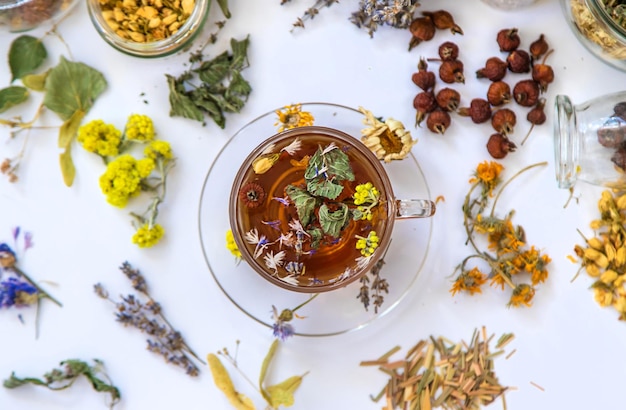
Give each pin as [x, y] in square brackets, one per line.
[494, 69]
[424, 103]
[448, 51]
[536, 116]
[526, 93]
[499, 93]
[538, 47]
[499, 146]
[508, 39]
[448, 99]
[503, 121]
[518, 61]
[438, 121]
[479, 111]
[443, 20]
[252, 194]
[423, 78]
[422, 29]
[612, 133]
[451, 71]
[543, 73]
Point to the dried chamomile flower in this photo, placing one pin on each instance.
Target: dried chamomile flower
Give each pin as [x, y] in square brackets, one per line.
[388, 140]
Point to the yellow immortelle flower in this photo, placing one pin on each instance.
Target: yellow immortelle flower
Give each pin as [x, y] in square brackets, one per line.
[231, 245]
[292, 116]
[159, 149]
[368, 245]
[147, 236]
[470, 281]
[139, 128]
[388, 140]
[100, 138]
[122, 178]
[488, 174]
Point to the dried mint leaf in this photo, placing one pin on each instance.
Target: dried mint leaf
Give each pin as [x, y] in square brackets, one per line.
[334, 163]
[12, 96]
[316, 237]
[333, 222]
[72, 86]
[180, 104]
[305, 203]
[324, 187]
[26, 54]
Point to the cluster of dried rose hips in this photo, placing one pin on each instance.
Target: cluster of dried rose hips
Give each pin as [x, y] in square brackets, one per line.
[424, 28]
[612, 134]
[526, 92]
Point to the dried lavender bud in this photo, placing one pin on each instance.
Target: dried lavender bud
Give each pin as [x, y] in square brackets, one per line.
[526, 93]
[518, 61]
[494, 69]
[612, 133]
[499, 93]
[448, 51]
[423, 78]
[499, 146]
[538, 47]
[620, 110]
[448, 99]
[451, 71]
[438, 121]
[503, 121]
[424, 103]
[443, 20]
[619, 158]
[422, 29]
[479, 111]
[508, 39]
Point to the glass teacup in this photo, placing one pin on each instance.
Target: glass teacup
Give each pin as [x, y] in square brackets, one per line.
[312, 209]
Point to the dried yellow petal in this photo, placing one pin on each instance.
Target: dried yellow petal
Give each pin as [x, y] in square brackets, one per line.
[224, 383]
[598, 257]
[609, 251]
[592, 270]
[608, 277]
[620, 256]
[188, 6]
[595, 243]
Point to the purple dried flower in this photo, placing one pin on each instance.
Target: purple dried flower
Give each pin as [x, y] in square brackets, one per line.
[7, 256]
[15, 292]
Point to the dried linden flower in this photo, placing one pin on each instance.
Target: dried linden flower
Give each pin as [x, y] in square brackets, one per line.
[388, 140]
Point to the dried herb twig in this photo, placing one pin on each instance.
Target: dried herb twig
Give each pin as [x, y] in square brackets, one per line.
[61, 379]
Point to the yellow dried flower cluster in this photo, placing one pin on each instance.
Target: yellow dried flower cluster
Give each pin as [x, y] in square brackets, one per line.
[603, 256]
[292, 116]
[100, 138]
[388, 140]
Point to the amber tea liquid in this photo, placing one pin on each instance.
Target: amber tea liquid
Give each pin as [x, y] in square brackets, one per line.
[335, 258]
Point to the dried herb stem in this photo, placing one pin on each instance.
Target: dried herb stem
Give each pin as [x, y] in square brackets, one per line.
[518, 173]
[43, 293]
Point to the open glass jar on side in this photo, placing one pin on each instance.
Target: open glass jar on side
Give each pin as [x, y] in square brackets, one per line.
[600, 28]
[148, 30]
[590, 141]
[23, 15]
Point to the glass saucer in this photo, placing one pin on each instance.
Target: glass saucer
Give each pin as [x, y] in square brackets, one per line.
[333, 312]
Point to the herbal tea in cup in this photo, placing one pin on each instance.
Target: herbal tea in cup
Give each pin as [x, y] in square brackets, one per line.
[312, 209]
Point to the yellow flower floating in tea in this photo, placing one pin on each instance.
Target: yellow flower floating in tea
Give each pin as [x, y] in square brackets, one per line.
[603, 256]
[388, 139]
[292, 116]
[508, 260]
[328, 205]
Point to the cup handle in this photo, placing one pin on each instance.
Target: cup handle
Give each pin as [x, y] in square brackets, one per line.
[415, 208]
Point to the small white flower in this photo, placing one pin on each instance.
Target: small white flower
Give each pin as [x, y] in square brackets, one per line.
[362, 261]
[297, 227]
[290, 279]
[293, 147]
[252, 236]
[286, 240]
[268, 150]
[329, 148]
[274, 261]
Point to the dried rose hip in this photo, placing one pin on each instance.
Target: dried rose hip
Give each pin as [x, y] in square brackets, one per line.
[508, 39]
[503, 121]
[526, 93]
[538, 47]
[448, 51]
[438, 121]
[424, 103]
[443, 20]
[518, 61]
[448, 99]
[494, 69]
[479, 110]
[536, 116]
[422, 29]
[543, 73]
[499, 146]
[451, 71]
[499, 93]
[423, 78]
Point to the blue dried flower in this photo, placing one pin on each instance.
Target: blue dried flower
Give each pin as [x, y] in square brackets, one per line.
[283, 329]
[7, 256]
[14, 292]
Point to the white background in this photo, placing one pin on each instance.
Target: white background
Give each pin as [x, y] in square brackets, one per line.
[566, 343]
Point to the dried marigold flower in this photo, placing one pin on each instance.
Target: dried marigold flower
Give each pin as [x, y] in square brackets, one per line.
[252, 194]
[388, 140]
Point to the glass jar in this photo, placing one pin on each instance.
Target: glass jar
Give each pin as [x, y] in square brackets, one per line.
[23, 15]
[509, 4]
[596, 30]
[114, 33]
[590, 141]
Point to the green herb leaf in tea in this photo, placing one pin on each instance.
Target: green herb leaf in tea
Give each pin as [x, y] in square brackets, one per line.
[333, 222]
[324, 187]
[305, 203]
[332, 162]
[26, 54]
[12, 96]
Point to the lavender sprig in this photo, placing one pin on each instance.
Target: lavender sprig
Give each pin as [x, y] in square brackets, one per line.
[148, 317]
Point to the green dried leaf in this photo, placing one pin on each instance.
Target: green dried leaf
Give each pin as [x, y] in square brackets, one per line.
[69, 129]
[316, 237]
[281, 394]
[240, 53]
[238, 85]
[180, 104]
[305, 203]
[12, 96]
[324, 187]
[36, 82]
[333, 222]
[67, 166]
[224, 383]
[25, 56]
[224, 6]
[335, 164]
[216, 70]
[13, 381]
[72, 86]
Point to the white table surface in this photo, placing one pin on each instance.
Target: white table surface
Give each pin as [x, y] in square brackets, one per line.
[565, 343]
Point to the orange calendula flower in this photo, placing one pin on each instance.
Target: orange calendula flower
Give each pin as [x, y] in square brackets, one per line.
[488, 174]
[522, 295]
[292, 116]
[469, 281]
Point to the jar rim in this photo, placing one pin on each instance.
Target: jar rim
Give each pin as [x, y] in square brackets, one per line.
[11, 4]
[599, 11]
